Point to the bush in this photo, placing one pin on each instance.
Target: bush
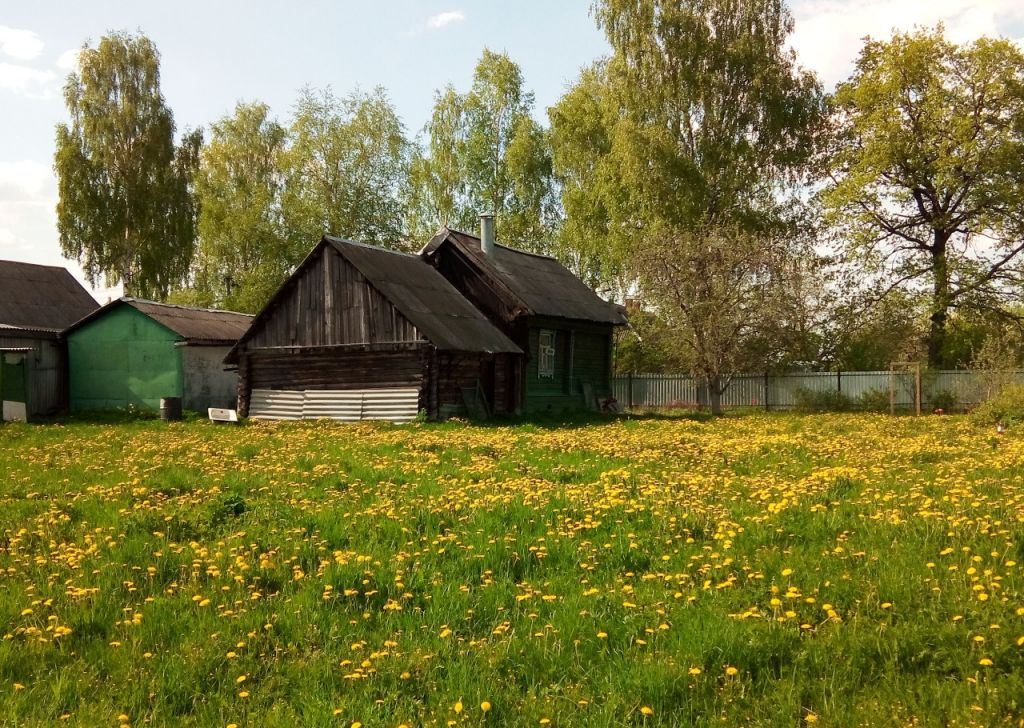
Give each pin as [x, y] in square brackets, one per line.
[873, 400]
[813, 400]
[1007, 407]
[944, 400]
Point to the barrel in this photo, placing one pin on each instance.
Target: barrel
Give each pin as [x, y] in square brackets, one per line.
[170, 408]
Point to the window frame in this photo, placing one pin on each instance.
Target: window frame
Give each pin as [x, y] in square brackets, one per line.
[546, 353]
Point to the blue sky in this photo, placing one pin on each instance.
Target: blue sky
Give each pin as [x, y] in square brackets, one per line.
[215, 53]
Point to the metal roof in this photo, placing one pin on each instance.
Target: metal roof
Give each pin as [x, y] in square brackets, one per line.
[40, 298]
[540, 282]
[195, 325]
[425, 297]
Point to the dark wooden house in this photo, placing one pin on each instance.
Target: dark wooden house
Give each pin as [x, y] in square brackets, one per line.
[359, 332]
[564, 328]
[36, 303]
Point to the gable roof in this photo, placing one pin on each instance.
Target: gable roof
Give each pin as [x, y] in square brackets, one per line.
[195, 325]
[418, 291]
[40, 298]
[543, 286]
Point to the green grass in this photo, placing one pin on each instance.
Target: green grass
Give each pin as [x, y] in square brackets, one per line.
[756, 571]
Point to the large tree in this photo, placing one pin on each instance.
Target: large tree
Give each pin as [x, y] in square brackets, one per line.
[700, 116]
[677, 158]
[243, 253]
[345, 168]
[925, 176]
[125, 209]
[484, 152]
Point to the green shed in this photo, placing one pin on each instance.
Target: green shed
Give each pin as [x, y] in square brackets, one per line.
[131, 353]
[564, 328]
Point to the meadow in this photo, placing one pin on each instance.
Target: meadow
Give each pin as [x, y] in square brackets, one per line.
[764, 570]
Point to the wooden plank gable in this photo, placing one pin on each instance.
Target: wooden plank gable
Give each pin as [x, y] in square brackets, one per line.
[330, 303]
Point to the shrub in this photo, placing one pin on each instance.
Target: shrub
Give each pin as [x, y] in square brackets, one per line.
[1006, 407]
[944, 400]
[873, 400]
[813, 400]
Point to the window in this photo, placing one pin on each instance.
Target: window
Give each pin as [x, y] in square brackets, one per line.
[546, 354]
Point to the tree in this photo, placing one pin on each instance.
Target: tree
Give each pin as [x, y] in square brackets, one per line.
[345, 168]
[700, 116]
[721, 289]
[486, 153]
[125, 209]
[436, 193]
[243, 253]
[924, 175]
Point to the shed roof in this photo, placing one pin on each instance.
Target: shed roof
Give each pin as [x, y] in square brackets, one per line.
[426, 298]
[544, 286]
[195, 325]
[41, 298]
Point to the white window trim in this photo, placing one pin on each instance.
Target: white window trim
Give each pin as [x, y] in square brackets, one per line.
[546, 354]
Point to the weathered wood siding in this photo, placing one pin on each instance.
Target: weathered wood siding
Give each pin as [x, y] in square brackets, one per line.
[486, 293]
[455, 372]
[47, 372]
[330, 368]
[582, 357]
[330, 303]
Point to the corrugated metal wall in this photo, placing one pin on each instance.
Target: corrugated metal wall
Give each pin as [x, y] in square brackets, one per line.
[47, 380]
[352, 405]
[785, 391]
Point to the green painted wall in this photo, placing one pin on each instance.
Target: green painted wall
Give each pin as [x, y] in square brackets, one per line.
[123, 358]
[582, 356]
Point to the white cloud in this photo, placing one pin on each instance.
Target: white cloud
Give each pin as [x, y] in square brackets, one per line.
[447, 18]
[68, 60]
[21, 44]
[829, 33]
[25, 80]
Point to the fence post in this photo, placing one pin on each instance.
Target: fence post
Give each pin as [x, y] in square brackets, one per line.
[767, 407]
[839, 381]
[629, 384]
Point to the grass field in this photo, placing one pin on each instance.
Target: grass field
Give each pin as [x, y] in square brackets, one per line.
[839, 570]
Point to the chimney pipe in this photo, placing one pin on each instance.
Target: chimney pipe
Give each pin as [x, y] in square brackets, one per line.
[487, 234]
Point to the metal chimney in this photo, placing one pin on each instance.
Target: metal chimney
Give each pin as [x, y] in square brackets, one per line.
[487, 234]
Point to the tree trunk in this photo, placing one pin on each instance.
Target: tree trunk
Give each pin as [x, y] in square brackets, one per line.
[940, 302]
[715, 394]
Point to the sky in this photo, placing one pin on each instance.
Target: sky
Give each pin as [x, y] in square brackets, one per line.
[214, 54]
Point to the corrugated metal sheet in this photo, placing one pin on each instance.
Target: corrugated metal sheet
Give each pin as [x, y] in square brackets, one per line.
[544, 285]
[785, 391]
[194, 325]
[40, 297]
[352, 405]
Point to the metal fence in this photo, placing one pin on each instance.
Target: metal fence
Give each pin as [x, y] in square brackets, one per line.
[954, 389]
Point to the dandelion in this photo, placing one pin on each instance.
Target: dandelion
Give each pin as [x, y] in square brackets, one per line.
[485, 706]
[646, 710]
[458, 706]
[985, 662]
[730, 670]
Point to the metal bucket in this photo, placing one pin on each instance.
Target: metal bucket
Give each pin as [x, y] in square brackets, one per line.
[170, 408]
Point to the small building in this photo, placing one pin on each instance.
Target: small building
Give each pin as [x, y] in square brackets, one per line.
[132, 353]
[360, 332]
[36, 303]
[564, 328]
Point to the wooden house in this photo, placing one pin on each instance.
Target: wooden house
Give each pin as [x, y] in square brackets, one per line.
[36, 303]
[133, 353]
[563, 327]
[359, 332]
